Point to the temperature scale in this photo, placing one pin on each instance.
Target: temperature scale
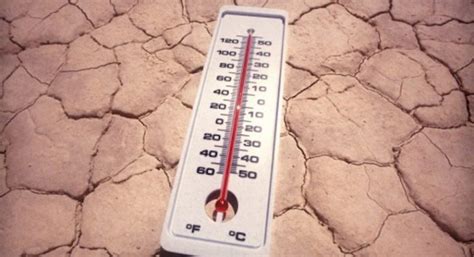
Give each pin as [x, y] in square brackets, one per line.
[222, 199]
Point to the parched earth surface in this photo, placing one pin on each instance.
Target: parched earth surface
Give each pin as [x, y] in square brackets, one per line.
[376, 148]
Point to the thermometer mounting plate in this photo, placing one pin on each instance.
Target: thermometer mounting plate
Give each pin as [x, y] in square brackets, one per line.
[222, 199]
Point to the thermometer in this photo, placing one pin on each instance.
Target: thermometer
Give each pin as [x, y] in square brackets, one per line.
[222, 199]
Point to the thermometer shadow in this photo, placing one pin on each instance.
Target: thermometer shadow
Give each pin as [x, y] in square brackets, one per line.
[164, 253]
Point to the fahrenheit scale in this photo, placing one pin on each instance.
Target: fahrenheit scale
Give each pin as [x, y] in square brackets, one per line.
[222, 198]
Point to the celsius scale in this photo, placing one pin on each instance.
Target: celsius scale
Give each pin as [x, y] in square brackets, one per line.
[222, 199]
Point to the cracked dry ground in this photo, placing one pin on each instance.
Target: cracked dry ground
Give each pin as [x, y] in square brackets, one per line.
[376, 148]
